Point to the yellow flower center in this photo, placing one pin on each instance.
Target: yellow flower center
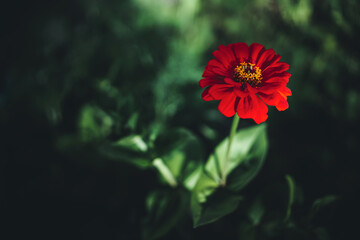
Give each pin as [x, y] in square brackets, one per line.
[247, 73]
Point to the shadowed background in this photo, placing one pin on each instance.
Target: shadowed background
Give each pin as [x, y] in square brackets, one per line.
[78, 74]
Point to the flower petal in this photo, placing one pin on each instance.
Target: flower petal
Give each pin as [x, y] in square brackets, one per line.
[277, 99]
[225, 55]
[209, 81]
[214, 72]
[232, 82]
[271, 87]
[265, 57]
[269, 77]
[206, 96]
[271, 62]
[276, 68]
[255, 51]
[227, 105]
[271, 99]
[215, 63]
[240, 92]
[282, 105]
[285, 91]
[252, 107]
[241, 51]
[219, 91]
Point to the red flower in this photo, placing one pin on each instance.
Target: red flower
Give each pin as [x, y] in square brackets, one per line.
[246, 79]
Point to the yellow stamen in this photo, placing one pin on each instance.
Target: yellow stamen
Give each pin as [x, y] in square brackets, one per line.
[247, 73]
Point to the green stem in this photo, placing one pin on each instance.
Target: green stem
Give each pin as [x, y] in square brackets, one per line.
[232, 134]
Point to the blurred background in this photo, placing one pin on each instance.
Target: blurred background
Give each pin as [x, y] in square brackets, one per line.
[77, 75]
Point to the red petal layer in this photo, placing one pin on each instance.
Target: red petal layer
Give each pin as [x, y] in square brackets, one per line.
[270, 87]
[225, 55]
[227, 105]
[265, 57]
[271, 62]
[277, 98]
[283, 104]
[276, 68]
[255, 51]
[206, 96]
[252, 107]
[208, 82]
[220, 91]
[241, 51]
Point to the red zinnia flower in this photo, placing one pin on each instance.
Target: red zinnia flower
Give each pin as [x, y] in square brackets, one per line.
[246, 79]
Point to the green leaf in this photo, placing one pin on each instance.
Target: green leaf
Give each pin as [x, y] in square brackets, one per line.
[182, 153]
[323, 203]
[217, 202]
[246, 157]
[93, 123]
[131, 149]
[256, 211]
[132, 122]
[133, 142]
[291, 185]
[165, 172]
[165, 210]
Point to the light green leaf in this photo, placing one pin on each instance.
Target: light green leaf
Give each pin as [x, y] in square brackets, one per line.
[182, 153]
[133, 142]
[131, 149]
[165, 172]
[93, 123]
[246, 157]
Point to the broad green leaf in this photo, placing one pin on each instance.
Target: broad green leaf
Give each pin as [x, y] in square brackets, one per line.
[212, 203]
[131, 149]
[203, 189]
[182, 153]
[165, 209]
[133, 142]
[246, 157]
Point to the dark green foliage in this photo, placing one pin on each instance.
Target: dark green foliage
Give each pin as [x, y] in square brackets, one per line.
[92, 92]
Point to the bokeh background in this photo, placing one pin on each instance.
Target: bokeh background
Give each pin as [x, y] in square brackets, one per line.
[76, 75]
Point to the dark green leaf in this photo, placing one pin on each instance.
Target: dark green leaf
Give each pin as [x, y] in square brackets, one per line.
[323, 203]
[217, 203]
[256, 211]
[291, 185]
[165, 210]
